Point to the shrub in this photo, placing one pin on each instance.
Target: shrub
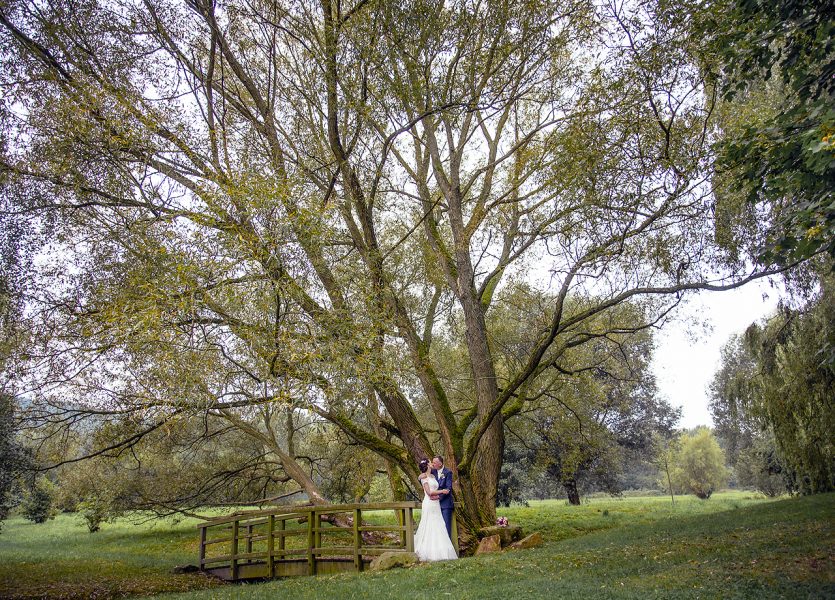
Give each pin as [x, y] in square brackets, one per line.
[699, 464]
[94, 511]
[37, 501]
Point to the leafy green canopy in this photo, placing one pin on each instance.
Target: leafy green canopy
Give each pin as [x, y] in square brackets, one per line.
[782, 156]
[748, 441]
[38, 500]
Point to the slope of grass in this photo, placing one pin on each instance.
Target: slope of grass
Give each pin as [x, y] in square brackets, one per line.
[733, 546]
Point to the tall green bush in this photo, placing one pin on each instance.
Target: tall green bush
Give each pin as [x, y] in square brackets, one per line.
[95, 511]
[699, 464]
[37, 501]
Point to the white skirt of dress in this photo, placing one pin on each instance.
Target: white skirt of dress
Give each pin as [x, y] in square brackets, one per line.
[431, 539]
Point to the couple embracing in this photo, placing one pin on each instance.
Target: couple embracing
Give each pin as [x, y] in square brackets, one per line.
[433, 537]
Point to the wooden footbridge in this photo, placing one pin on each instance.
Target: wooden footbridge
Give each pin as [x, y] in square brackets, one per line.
[309, 540]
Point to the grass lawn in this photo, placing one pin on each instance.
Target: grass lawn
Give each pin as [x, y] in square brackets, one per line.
[732, 546]
[61, 559]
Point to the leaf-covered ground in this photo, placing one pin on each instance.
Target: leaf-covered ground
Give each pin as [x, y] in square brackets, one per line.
[731, 546]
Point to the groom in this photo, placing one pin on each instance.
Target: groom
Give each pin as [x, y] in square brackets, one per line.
[444, 493]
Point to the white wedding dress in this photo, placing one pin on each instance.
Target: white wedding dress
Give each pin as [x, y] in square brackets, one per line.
[431, 539]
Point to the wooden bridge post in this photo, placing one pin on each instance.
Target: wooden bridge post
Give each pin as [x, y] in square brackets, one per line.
[311, 564]
[202, 555]
[233, 570]
[410, 533]
[455, 533]
[271, 545]
[401, 519]
[357, 539]
[317, 539]
[317, 532]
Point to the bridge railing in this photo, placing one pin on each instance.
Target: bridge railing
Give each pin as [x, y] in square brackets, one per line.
[258, 543]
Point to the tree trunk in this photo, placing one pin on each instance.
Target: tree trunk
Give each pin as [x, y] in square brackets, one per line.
[487, 462]
[469, 513]
[571, 490]
[398, 490]
[670, 483]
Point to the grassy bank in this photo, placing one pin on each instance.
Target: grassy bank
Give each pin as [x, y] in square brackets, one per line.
[728, 547]
[734, 545]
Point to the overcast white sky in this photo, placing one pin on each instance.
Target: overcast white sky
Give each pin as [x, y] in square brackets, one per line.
[687, 349]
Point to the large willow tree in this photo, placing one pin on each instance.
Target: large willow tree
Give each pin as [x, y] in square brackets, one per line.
[266, 209]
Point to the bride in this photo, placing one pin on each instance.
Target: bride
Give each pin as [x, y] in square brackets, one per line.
[431, 540]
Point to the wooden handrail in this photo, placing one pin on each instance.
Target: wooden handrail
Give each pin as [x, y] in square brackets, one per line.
[293, 512]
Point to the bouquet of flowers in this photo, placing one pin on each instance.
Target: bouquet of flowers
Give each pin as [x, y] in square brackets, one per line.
[501, 521]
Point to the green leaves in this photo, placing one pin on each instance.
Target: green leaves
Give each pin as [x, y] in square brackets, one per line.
[797, 383]
[785, 163]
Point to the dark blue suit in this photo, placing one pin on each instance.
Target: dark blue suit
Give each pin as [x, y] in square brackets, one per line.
[445, 483]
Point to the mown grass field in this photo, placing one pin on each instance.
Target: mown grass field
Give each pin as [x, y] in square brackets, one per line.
[734, 545]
